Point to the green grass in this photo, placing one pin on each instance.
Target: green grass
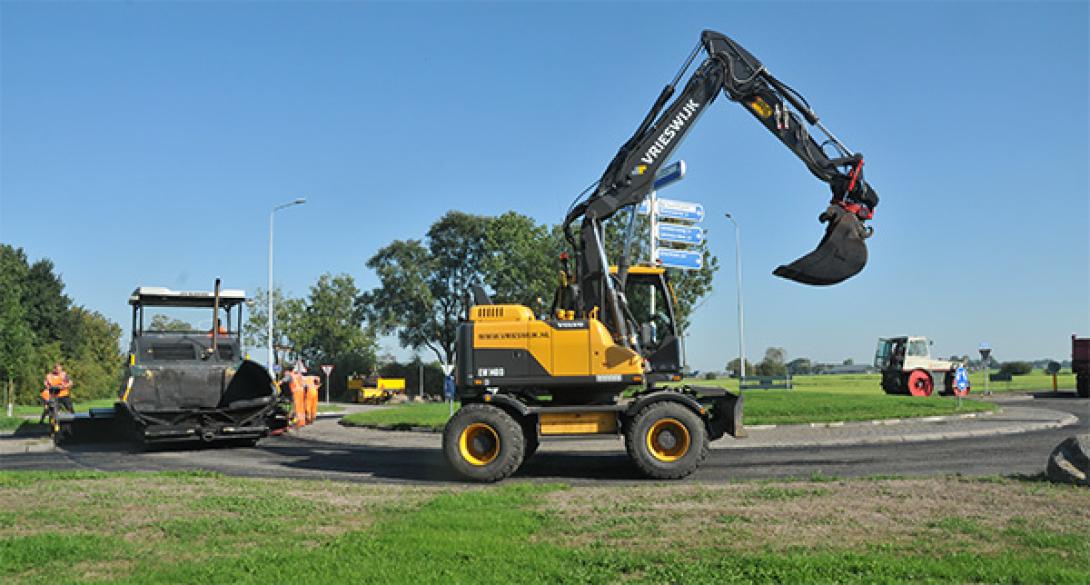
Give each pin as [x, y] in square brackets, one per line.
[18, 423]
[200, 528]
[79, 406]
[431, 415]
[814, 399]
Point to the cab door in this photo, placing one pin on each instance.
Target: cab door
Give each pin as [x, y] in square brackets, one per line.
[651, 305]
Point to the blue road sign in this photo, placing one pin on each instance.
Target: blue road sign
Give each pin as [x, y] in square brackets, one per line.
[681, 234]
[684, 259]
[961, 378]
[669, 174]
[679, 210]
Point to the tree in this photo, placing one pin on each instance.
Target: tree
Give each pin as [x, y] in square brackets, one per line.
[1016, 368]
[773, 363]
[520, 263]
[732, 368]
[255, 332]
[848, 362]
[45, 303]
[38, 327]
[420, 295]
[330, 330]
[799, 366]
[95, 363]
[331, 324]
[16, 339]
[161, 322]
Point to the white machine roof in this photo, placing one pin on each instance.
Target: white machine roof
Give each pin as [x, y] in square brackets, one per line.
[158, 296]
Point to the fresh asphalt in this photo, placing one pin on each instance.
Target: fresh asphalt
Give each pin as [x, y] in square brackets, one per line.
[418, 460]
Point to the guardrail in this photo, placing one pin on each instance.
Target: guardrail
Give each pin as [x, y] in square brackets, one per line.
[766, 383]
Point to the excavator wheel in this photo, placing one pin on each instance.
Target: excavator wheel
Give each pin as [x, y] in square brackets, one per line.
[920, 383]
[667, 440]
[483, 443]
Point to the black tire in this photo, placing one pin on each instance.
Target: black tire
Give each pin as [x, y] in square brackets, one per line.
[658, 448]
[1082, 385]
[483, 443]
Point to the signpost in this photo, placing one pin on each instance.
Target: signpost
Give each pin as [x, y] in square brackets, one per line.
[1053, 368]
[680, 234]
[679, 210]
[961, 383]
[328, 369]
[449, 387]
[669, 174]
[685, 259]
[985, 354]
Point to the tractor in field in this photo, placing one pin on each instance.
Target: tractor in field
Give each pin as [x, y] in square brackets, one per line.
[907, 367]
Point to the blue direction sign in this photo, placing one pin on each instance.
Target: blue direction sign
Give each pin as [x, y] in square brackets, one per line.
[961, 380]
[669, 174]
[681, 234]
[679, 210]
[685, 259]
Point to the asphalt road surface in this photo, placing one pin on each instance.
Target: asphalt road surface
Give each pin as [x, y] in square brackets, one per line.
[295, 457]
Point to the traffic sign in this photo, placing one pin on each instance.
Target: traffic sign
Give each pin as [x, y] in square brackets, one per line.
[674, 209]
[328, 369]
[681, 234]
[669, 174]
[684, 259]
[679, 210]
[961, 381]
[985, 350]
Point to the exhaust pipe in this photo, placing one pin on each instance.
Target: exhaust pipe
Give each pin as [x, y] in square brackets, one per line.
[840, 255]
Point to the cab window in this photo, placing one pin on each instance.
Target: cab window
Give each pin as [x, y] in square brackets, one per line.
[917, 348]
[640, 294]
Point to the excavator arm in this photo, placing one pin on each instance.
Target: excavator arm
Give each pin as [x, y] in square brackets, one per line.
[730, 69]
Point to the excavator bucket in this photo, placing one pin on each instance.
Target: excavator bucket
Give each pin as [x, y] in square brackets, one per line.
[840, 255]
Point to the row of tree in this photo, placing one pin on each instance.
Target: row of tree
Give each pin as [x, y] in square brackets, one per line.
[40, 326]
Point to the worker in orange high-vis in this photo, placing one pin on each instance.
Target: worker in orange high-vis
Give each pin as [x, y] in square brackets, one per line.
[298, 395]
[313, 384]
[58, 386]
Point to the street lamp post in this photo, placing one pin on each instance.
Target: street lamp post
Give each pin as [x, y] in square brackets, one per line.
[741, 313]
[272, 214]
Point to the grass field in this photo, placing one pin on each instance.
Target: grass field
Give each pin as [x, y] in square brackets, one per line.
[203, 528]
[813, 399]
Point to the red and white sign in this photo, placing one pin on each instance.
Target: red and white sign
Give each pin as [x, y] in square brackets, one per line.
[328, 369]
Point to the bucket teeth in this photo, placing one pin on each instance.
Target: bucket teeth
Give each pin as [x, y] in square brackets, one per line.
[840, 255]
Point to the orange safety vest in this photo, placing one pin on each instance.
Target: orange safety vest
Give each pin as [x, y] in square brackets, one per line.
[58, 381]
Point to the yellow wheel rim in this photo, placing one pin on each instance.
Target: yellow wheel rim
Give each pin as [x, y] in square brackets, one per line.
[479, 444]
[668, 440]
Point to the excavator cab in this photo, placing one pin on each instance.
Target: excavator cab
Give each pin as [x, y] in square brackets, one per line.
[651, 316]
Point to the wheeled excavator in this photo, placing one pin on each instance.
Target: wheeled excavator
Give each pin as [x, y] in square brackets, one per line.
[599, 361]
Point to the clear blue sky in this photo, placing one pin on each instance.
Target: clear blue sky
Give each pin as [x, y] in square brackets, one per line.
[144, 143]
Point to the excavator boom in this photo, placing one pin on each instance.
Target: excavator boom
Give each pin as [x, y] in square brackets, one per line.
[731, 70]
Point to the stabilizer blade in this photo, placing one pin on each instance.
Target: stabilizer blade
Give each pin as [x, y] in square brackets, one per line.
[840, 255]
